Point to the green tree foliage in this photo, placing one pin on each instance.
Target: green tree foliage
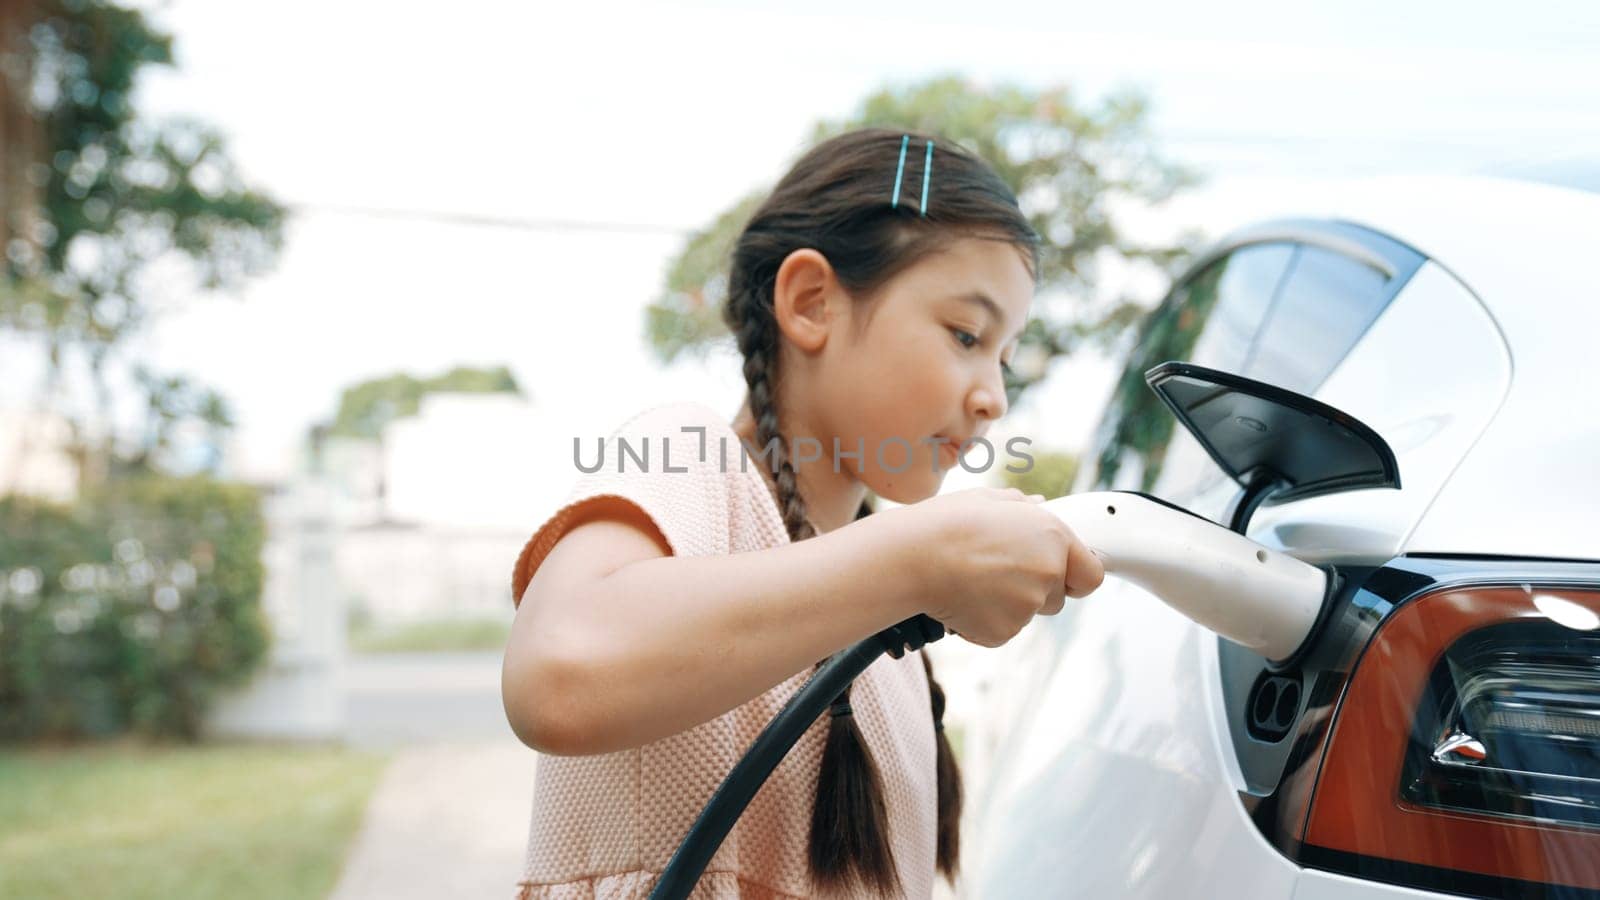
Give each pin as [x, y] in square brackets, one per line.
[689, 315]
[1051, 475]
[130, 607]
[172, 401]
[129, 610]
[1070, 166]
[1137, 427]
[365, 408]
[95, 196]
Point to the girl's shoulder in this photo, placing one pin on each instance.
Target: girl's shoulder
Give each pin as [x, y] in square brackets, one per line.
[667, 417]
[684, 437]
[688, 457]
[680, 465]
[697, 437]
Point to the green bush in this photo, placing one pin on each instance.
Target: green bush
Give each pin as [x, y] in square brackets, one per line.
[1052, 474]
[128, 610]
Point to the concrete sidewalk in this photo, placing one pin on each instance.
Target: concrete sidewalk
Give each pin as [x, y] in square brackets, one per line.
[447, 821]
[450, 815]
[449, 818]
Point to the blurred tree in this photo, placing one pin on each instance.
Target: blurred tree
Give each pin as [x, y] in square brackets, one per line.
[97, 201]
[1070, 167]
[172, 402]
[366, 407]
[1137, 428]
[1051, 475]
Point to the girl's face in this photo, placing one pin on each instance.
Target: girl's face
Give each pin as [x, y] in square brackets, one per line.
[921, 361]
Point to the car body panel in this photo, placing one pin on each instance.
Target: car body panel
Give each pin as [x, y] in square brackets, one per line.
[1108, 769]
[1527, 253]
[1434, 335]
[1106, 711]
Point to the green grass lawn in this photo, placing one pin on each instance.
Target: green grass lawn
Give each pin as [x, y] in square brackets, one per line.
[431, 636]
[233, 820]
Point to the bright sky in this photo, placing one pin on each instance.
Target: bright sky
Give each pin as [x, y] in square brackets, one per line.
[666, 112]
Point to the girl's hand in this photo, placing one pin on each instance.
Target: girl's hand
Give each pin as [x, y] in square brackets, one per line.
[990, 559]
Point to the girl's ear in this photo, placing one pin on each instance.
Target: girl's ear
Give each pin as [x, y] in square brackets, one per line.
[807, 299]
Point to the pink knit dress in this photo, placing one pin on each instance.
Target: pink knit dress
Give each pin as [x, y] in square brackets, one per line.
[604, 826]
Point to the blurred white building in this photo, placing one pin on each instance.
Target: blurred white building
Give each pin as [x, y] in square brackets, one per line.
[32, 460]
[421, 524]
[299, 694]
[452, 494]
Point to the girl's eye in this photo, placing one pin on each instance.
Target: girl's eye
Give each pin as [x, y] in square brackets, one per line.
[963, 337]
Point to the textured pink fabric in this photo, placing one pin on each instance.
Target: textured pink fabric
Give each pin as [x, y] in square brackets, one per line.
[605, 826]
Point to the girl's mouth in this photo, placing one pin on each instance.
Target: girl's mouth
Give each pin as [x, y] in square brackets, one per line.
[949, 453]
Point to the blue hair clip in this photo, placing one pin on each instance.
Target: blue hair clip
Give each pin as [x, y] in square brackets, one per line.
[927, 167]
[905, 140]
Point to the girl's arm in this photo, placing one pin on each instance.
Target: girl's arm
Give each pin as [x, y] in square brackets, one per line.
[616, 643]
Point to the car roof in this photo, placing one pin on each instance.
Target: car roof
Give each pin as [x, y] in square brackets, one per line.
[1526, 250]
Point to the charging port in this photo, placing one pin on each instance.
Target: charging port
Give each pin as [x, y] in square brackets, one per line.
[1273, 706]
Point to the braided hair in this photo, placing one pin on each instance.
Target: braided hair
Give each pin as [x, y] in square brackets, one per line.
[836, 199]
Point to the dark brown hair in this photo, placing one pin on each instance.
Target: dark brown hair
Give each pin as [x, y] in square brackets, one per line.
[838, 200]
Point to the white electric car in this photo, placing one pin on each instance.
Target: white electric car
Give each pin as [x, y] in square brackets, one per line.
[1439, 733]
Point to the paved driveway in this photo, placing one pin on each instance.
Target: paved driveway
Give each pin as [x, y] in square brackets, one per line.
[450, 816]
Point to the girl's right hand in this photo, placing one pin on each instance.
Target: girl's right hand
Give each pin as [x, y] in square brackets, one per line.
[990, 559]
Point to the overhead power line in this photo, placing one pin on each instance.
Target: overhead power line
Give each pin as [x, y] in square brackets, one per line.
[476, 220]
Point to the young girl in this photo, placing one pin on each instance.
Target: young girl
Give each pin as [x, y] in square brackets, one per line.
[695, 579]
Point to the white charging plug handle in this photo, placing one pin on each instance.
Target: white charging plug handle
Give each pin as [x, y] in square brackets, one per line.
[1252, 595]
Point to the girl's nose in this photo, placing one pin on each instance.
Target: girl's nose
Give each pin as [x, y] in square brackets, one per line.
[987, 399]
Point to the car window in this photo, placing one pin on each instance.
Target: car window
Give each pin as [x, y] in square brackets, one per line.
[1326, 302]
[1247, 281]
[1211, 319]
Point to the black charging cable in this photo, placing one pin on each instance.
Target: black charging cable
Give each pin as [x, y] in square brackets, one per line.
[774, 743]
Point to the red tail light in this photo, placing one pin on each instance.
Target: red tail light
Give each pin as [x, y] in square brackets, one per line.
[1468, 739]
